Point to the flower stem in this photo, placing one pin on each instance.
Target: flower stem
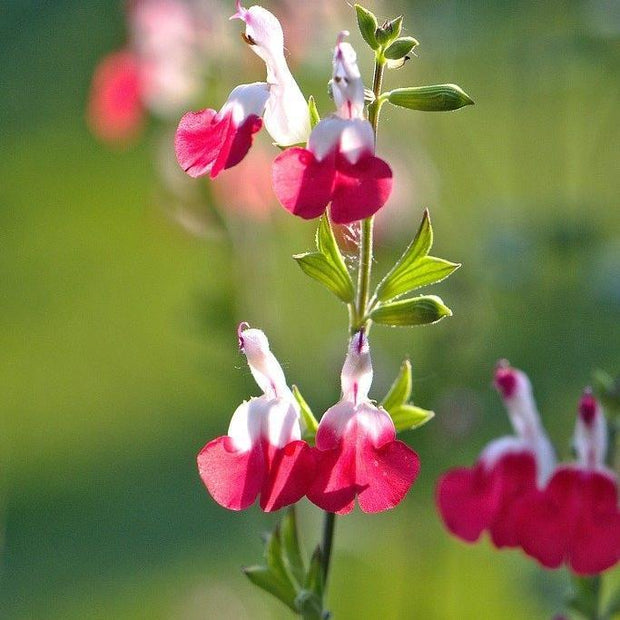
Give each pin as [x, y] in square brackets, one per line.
[329, 523]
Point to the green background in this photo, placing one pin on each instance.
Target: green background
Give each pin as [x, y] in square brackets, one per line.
[118, 351]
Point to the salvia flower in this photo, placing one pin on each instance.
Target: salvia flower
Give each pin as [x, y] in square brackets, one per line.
[208, 142]
[575, 519]
[484, 497]
[263, 453]
[338, 164]
[356, 449]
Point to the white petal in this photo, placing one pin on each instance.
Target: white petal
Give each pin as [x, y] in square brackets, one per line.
[245, 100]
[280, 424]
[265, 368]
[246, 423]
[346, 85]
[590, 438]
[325, 137]
[357, 139]
[286, 115]
[356, 376]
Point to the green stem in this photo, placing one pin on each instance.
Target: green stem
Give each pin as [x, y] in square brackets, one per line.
[366, 232]
[329, 523]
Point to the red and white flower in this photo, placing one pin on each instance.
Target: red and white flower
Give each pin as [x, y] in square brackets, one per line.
[263, 453]
[485, 497]
[208, 142]
[356, 449]
[338, 164]
[575, 520]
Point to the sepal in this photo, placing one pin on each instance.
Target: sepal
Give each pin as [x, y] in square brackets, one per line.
[400, 48]
[415, 268]
[389, 31]
[327, 265]
[436, 98]
[310, 422]
[404, 415]
[313, 111]
[367, 23]
[422, 310]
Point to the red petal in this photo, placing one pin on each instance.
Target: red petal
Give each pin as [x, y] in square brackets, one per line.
[203, 142]
[472, 500]
[302, 185]
[380, 476]
[242, 141]
[290, 471]
[115, 108]
[233, 478]
[360, 189]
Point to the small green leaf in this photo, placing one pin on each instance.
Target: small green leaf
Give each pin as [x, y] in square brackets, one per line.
[367, 23]
[407, 417]
[265, 579]
[314, 577]
[291, 551]
[306, 413]
[327, 265]
[436, 98]
[389, 31]
[400, 48]
[314, 113]
[320, 269]
[416, 311]
[400, 391]
[415, 269]
[273, 554]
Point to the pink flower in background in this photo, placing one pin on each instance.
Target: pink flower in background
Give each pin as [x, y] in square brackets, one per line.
[356, 448]
[115, 109]
[158, 71]
[485, 497]
[575, 520]
[338, 164]
[262, 454]
[208, 142]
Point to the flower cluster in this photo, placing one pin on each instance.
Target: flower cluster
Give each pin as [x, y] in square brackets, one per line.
[558, 514]
[356, 453]
[338, 164]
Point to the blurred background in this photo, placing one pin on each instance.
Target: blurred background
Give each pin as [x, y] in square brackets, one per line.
[123, 281]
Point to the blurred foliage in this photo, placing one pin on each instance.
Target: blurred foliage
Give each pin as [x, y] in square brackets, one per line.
[119, 355]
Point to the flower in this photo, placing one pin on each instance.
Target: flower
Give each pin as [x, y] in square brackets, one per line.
[208, 142]
[575, 519]
[262, 452]
[484, 497]
[338, 164]
[356, 450]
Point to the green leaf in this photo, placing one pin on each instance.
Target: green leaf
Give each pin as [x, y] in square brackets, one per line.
[416, 311]
[265, 579]
[400, 48]
[314, 577]
[367, 23]
[389, 31]
[291, 551]
[586, 595]
[436, 98]
[400, 391]
[274, 555]
[415, 269]
[306, 413]
[314, 113]
[327, 265]
[408, 417]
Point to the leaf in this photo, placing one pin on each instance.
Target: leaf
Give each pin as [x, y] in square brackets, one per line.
[314, 578]
[291, 551]
[306, 413]
[415, 269]
[400, 391]
[265, 579]
[436, 98]
[327, 265]
[314, 113]
[408, 417]
[400, 48]
[367, 23]
[416, 311]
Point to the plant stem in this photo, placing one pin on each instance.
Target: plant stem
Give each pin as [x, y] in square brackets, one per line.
[329, 522]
